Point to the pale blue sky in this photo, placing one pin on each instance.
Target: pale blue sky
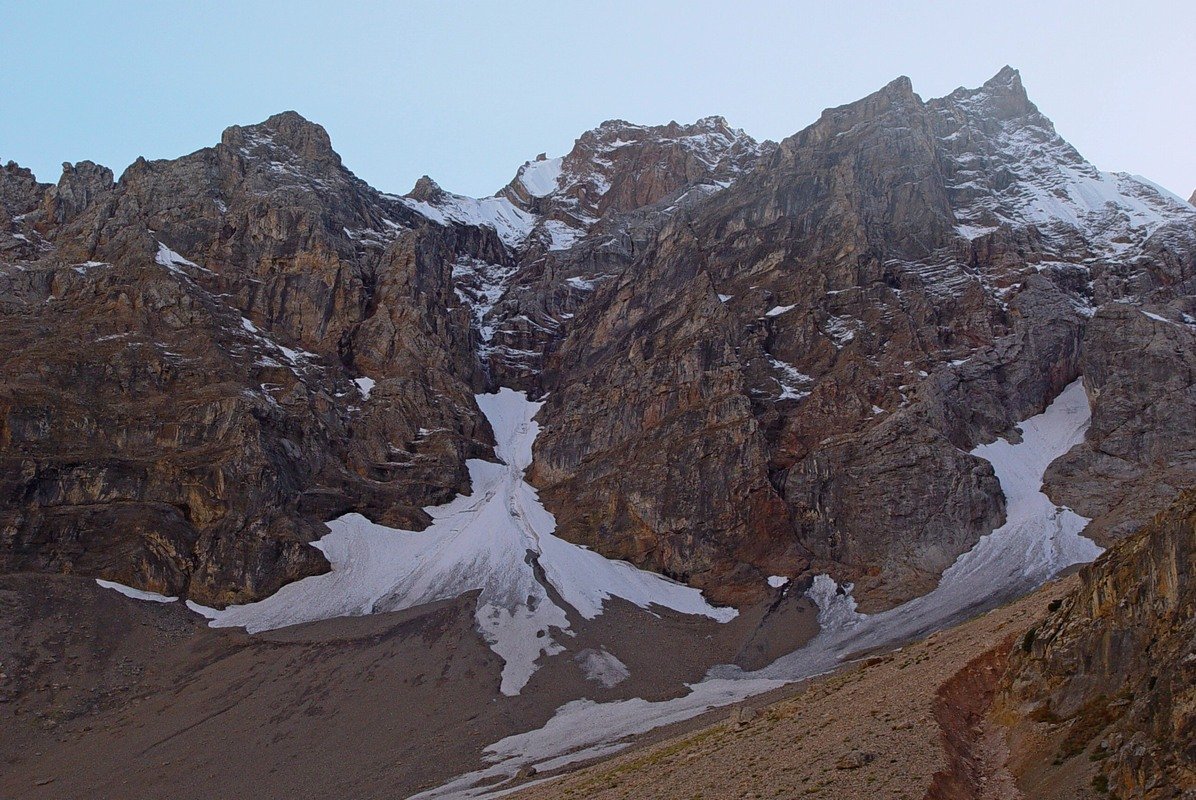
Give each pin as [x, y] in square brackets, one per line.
[466, 92]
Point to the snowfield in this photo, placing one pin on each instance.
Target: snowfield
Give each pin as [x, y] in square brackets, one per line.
[541, 178]
[484, 542]
[1037, 541]
[136, 594]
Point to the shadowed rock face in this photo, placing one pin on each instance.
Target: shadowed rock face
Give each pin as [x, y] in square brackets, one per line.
[1113, 670]
[757, 358]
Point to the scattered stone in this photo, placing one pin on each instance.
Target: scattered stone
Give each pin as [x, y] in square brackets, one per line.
[854, 760]
[742, 715]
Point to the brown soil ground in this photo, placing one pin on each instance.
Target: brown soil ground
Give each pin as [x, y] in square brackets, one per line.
[906, 724]
[102, 696]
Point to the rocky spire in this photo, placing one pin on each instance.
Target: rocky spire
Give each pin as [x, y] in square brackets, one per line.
[19, 190]
[426, 190]
[79, 185]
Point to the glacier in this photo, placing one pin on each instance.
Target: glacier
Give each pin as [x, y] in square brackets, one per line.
[488, 541]
[1037, 541]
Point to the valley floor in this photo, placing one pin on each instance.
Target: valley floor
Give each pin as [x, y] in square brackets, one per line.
[109, 697]
[103, 696]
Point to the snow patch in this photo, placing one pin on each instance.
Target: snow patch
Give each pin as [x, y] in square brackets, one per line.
[777, 581]
[365, 386]
[173, 261]
[296, 357]
[512, 224]
[541, 178]
[486, 541]
[795, 384]
[136, 594]
[203, 611]
[560, 235]
[839, 330]
[603, 667]
[583, 284]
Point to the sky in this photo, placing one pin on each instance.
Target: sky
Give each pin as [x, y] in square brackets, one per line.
[467, 91]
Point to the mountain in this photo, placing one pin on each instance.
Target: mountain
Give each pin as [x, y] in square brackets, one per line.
[209, 357]
[898, 368]
[758, 359]
[790, 370]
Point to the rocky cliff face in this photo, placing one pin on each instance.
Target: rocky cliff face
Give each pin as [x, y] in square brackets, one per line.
[832, 332]
[757, 358]
[185, 422]
[1110, 676]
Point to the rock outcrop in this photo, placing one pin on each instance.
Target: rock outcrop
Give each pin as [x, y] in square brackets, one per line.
[1109, 678]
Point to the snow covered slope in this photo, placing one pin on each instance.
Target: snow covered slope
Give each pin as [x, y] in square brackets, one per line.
[1037, 541]
[488, 541]
[510, 223]
[1010, 167]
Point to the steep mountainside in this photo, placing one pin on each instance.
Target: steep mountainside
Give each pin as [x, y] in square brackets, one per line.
[756, 359]
[206, 359]
[793, 369]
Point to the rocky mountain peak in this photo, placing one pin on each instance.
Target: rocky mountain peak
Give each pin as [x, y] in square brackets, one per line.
[1002, 97]
[283, 137]
[1192, 199]
[426, 190]
[900, 88]
[882, 107]
[19, 190]
[620, 166]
